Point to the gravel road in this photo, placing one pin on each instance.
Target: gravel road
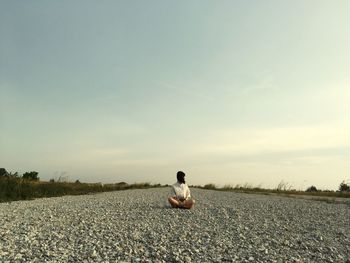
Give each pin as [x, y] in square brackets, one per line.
[139, 226]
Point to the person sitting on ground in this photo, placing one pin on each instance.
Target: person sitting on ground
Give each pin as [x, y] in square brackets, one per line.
[181, 196]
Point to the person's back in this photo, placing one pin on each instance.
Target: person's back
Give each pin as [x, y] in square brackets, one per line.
[181, 195]
[181, 191]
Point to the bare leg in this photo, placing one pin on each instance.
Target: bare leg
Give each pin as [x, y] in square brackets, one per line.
[174, 202]
[188, 204]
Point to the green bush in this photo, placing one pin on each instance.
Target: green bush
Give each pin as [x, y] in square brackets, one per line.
[31, 176]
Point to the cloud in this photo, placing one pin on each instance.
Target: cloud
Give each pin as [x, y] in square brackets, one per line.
[186, 91]
[265, 141]
[335, 98]
[108, 153]
[266, 82]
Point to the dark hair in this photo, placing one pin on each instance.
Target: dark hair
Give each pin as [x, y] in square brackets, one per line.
[180, 177]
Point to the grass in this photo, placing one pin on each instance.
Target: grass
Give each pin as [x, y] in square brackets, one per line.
[18, 188]
[12, 188]
[281, 189]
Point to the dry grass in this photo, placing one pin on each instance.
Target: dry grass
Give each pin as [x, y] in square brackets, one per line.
[12, 188]
[283, 188]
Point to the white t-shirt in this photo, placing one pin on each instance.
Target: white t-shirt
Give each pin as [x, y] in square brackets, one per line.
[181, 191]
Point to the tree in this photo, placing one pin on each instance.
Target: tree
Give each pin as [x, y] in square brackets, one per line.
[31, 176]
[343, 187]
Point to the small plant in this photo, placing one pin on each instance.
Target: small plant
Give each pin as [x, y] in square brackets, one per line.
[283, 186]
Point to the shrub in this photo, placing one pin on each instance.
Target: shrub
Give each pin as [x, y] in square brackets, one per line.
[62, 179]
[31, 176]
[209, 186]
[227, 187]
[3, 172]
[13, 175]
[283, 186]
[343, 187]
[312, 189]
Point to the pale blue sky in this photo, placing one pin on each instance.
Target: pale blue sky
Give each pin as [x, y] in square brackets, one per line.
[230, 92]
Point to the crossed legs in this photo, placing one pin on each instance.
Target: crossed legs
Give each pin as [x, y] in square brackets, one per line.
[176, 203]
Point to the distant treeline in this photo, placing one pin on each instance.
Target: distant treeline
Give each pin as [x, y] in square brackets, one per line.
[28, 186]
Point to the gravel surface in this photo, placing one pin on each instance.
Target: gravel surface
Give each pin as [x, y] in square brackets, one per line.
[139, 226]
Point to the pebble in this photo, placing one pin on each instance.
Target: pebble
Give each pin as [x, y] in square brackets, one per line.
[137, 226]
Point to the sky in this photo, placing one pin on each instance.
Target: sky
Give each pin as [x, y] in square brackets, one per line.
[230, 92]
